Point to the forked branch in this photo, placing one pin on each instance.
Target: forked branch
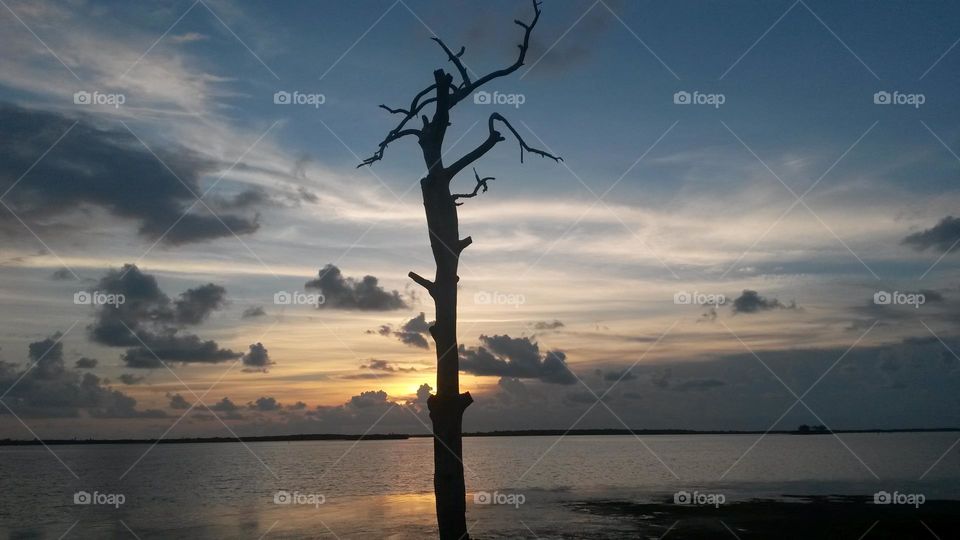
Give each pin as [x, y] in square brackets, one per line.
[481, 184]
[492, 139]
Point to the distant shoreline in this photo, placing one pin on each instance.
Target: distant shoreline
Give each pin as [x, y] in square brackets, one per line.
[403, 436]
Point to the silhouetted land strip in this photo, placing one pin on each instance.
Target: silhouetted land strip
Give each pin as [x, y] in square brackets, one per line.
[798, 518]
[403, 436]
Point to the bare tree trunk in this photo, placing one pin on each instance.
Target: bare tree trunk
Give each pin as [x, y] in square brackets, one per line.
[447, 406]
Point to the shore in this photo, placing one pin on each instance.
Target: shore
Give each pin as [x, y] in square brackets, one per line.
[794, 517]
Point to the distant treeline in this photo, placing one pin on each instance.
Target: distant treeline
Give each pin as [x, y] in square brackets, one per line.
[266, 438]
[816, 430]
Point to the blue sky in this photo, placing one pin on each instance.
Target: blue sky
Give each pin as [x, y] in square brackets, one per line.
[653, 199]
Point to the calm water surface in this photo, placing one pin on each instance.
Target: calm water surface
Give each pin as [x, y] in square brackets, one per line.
[383, 489]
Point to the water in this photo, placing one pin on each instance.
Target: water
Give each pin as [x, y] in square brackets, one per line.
[383, 489]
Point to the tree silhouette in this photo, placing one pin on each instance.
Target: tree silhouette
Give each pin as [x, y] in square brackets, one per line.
[447, 406]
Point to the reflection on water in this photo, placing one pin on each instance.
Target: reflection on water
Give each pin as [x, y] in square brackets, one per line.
[383, 489]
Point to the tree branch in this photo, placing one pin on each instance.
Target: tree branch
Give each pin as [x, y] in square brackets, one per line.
[492, 139]
[468, 89]
[401, 130]
[422, 281]
[481, 183]
[455, 58]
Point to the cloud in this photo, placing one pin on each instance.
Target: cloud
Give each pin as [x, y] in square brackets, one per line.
[99, 166]
[368, 399]
[751, 302]
[620, 375]
[943, 236]
[195, 305]
[547, 325]
[383, 365]
[257, 359]
[348, 293]
[130, 379]
[224, 405]
[253, 312]
[520, 358]
[151, 326]
[85, 363]
[265, 404]
[178, 402]
[50, 390]
[61, 274]
[413, 332]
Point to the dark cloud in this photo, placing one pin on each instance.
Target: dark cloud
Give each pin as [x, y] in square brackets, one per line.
[257, 359]
[661, 378]
[413, 332]
[130, 379]
[942, 236]
[195, 305]
[253, 312]
[547, 325]
[85, 363]
[265, 404]
[105, 167]
[423, 393]
[619, 375]
[348, 293]
[368, 399]
[62, 274]
[178, 402]
[51, 390]
[298, 406]
[383, 365]
[751, 302]
[224, 405]
[520, 358]
[151, 326]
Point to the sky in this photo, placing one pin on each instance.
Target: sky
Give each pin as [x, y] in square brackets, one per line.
[752, 226]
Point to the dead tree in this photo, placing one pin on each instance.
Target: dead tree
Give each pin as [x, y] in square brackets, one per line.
[447, 406]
